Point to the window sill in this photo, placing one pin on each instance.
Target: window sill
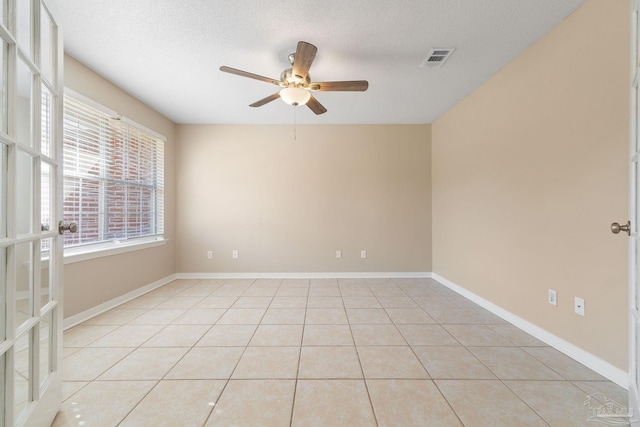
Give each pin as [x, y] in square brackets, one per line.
[84, 254]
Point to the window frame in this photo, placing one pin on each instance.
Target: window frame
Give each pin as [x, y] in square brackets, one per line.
[100, 249]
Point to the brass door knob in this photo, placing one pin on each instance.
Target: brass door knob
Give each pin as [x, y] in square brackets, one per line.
[617, 228]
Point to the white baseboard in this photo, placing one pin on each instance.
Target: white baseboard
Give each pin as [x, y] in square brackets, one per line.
[94, 311]
[340, 275]
[600, 366]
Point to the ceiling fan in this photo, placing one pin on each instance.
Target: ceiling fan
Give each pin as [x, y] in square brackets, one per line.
[296, 82]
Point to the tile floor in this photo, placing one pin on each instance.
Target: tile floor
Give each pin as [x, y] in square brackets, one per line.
[381, 352]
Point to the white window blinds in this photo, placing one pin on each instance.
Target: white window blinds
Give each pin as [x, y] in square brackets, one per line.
[113, 178]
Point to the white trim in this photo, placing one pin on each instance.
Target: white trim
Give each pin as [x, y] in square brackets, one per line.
[338, 275]
[97, 251]
[600, 366]
[76, 319]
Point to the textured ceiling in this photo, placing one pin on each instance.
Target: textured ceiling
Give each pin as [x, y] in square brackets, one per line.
[167, 52]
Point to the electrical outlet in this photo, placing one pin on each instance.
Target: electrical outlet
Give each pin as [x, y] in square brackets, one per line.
[210, 254]
[338, 254]
[363, 254]
[553, 297]
[234, 254]
[579, 306]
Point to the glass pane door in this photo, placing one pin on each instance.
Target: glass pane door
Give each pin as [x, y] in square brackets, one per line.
[30, 206]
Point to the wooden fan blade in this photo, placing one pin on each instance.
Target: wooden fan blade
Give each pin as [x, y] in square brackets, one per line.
[315, 106]
[266, 100]
[249, 75]
[305, 52]
[355, 86]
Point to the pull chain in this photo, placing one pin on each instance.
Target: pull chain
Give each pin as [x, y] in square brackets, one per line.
[295, 123]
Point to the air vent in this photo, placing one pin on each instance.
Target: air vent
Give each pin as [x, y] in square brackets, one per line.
[437, 57]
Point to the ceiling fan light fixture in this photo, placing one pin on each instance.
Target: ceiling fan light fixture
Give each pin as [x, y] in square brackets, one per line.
[295, 95]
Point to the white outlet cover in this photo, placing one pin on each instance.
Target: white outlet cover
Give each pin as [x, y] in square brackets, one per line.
[579, 306]
[363, 254]
[553, 297]
[234, 254]
[338, 254]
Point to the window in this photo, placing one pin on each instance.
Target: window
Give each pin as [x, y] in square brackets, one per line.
[113, 179]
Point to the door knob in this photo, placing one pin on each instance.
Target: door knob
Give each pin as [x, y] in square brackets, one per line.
[72, 227]
[616, 228]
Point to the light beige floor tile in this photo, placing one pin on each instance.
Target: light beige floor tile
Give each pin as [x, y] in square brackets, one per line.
[68, 351]
[390, 362]
[368, 316]
[102, 403]
[402, 403]
[69, 388]
[254, 403]
[242, 316]
[294, 283]
[361, 302]
[288, 302]
[268, 363]
[180, 302]
[198, 291]
[477, 335]
[562, 364]
[319, 283]
[377, 335]
[145, 364]
[356, 292]
[260, 291]
[512, 363]
[335, 403]
[451, 363]
[216, 302]
[284, 316]
[397, 302]
[177, 336]
[228, 335]
[324, 291]
[517, 336]
[81, 336]
[435, 303]
[200, 316]
[387, 291]
[206, 363]
[326, 316]
[559, 403]
[229, 290]
[329, 362]
[266, 283]
[319, 335]
[252, 302]
[115, 316]
[487, 403]
[466, 316]
[176, 403]
[88, 363]
[607, 388]
[158, 316]
[127, 336]
[277, 336]
[325, 302]
[144, 302]
[427, 335]
[410, 316]
[293, 292]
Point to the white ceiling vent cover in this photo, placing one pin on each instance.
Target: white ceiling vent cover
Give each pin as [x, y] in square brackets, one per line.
[437, 57]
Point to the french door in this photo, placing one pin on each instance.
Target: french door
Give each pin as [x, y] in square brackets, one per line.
[634, 236]
[30, 208]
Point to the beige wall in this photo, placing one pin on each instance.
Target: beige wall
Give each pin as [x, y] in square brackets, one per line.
[93, 282]
[530, 170]
[288, 204]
